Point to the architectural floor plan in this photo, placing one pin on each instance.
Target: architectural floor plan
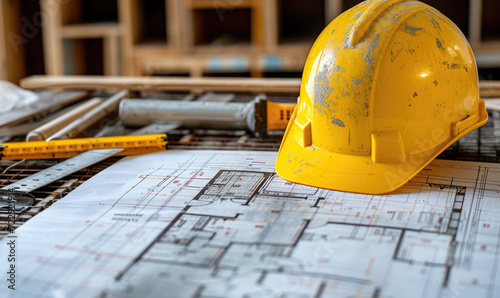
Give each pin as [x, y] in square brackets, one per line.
[223, 224]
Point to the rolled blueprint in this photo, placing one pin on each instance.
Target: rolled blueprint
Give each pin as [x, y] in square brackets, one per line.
[48, 129]
[90, 118]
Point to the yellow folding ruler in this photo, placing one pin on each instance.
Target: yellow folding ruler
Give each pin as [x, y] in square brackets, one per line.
[131, 145]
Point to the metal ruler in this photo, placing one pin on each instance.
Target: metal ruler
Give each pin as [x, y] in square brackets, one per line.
[61, 170]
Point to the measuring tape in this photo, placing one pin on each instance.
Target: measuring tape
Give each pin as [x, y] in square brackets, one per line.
[69, 148]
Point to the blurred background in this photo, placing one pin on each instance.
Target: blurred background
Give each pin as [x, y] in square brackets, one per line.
[237, 38]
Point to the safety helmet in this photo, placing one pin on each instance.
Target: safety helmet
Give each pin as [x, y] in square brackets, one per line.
[387, 86]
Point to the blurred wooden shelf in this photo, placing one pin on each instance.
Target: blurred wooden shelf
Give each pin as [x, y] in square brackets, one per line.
[12, 46]
[210, 4]
[3, 45]
[203, 37]
[92, 30]
[488, 54]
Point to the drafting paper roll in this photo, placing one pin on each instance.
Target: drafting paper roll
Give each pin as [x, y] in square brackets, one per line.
[45, 131]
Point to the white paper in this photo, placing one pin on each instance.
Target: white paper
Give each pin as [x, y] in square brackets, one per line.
[13, 98]
[223, 224]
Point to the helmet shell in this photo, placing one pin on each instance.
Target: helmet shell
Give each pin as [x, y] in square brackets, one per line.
[387, 86]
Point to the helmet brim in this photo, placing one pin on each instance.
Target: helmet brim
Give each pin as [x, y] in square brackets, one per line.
[351, 173]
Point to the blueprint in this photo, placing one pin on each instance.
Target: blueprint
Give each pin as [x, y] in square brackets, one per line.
[223, 224]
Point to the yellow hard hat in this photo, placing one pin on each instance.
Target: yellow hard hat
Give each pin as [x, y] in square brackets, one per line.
[387, 86]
